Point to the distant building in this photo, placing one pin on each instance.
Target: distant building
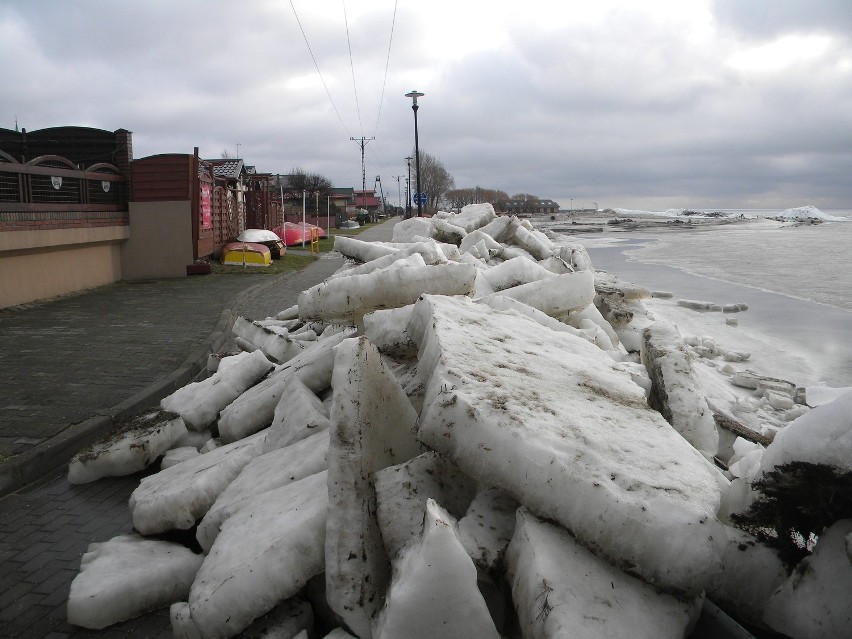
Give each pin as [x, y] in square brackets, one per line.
[531, 207]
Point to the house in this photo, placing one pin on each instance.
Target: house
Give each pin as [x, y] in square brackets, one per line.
[525, 207]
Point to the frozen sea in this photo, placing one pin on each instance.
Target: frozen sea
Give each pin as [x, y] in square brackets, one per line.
[796, 280]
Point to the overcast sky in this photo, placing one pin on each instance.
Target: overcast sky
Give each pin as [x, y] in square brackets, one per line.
[652, 104]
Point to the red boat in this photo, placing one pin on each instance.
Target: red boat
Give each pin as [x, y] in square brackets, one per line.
[293, 233]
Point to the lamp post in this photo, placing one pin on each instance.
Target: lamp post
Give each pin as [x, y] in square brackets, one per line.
[408, 189]
[414, 95]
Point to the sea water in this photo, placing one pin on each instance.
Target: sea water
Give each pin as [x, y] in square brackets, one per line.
[796, 280]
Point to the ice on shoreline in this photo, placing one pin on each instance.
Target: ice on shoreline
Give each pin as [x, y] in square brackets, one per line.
[505, 385]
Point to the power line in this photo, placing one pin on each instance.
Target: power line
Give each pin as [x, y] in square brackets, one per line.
[352, 66]
[387, 64]
[328, 93]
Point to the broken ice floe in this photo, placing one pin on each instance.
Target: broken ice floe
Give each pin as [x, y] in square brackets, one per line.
[135, 446]
[377, 447]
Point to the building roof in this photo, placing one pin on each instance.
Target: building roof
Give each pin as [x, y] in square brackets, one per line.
[229, 168]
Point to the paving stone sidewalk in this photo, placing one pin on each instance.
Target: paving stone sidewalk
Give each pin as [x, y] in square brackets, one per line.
[80, 358]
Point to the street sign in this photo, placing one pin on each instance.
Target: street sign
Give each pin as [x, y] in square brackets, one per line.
[419, 198]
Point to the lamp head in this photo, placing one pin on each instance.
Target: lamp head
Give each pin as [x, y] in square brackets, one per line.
[413, 94]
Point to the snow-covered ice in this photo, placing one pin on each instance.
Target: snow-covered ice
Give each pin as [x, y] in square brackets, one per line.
[129, 576]
[434, 588]
[148, 437]
[372, 427]
[264, 554]
[497, 402]
[814, 602]
[560, 589]
[199, 403]
[176, 497]
[482, 365]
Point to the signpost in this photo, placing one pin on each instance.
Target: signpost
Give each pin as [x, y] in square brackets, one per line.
[419, 198]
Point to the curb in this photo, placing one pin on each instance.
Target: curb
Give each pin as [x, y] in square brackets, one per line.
[59, 449]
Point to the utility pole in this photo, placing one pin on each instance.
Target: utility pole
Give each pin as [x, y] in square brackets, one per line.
[399, 189]
[408, 189]
[362, 142]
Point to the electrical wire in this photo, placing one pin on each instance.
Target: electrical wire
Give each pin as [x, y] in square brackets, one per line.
[387, 64]
[328, 93]
[352, 66]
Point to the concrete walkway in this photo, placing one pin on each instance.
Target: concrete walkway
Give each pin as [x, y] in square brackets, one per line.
[71, 367]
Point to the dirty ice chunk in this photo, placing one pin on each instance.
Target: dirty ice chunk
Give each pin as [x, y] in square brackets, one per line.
[814, 601]
[175, 456]
[487, 526]
[272, 341]
[445, 231]
[372, 427]
[821, 436]
[361, 250]
[200, 402]
[176, 497]
[386, 330]
[557, 295]
[402, 491]
[751, 572]
[255, 409]
[515, 272]
[265, 553]
[674, 387]
[299, 414]
[129, 576]
[560, 589]
[474, 216]
[475, 237]
[264, 473]
[535, 242]
[434, 592]
[128, 451]
[543, 415]
[429, 251]
[347, 299]
[503, 303]
[291, 619]
[406, 230]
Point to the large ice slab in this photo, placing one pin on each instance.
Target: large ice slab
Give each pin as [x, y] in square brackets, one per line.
[361, 250]
[255, 409]
[474, 216]
[515, 272]
[347, 299]
[821, 436]
[429, 251]
[555, 296]
[177, 496]
[299, 414]
[129, 576]
[555, 422]
[199, 403]
[276, 345]
[264, 473]
[266, 552]
[434, 592]
[372, 427]
[560, 589]
[814, 602]
[674, 390]
[136, 446]
[402, 491]
[487, 527]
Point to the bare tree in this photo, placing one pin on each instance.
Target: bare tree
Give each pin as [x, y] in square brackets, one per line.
[457, 198]
[435, 180]
[300, 181]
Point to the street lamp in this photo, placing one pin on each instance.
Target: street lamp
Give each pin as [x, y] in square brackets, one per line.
[414, 95]
[408, 189]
